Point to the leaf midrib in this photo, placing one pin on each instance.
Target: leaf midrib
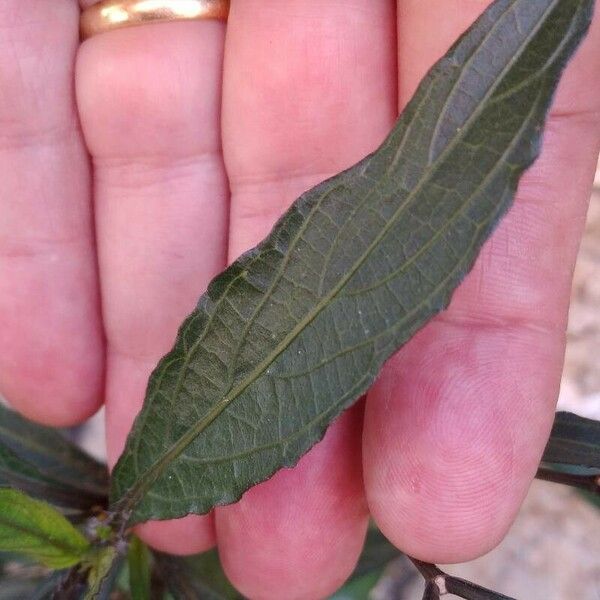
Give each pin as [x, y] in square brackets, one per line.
[370, 340]
[401, 147]
[143, 482]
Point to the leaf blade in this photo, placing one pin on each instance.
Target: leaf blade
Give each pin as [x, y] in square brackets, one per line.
[35, 529]
[103, 573]
[349, 274]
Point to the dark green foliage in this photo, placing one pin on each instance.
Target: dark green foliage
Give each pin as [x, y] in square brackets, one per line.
[298, 328]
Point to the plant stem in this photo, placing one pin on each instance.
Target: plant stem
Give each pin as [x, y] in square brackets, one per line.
[429, 571]
[439, 584]
[431, 592]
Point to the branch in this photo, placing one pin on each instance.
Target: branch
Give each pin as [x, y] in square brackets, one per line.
[431, 592]
[439, 584]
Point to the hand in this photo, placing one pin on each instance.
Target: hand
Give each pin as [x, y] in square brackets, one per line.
[454, 429]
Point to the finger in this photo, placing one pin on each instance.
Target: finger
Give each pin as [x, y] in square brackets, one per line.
[50, 334]
[455, 427]
[149, 99]
[310, 88]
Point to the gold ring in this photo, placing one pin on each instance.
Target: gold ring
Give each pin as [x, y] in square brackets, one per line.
[116, 14]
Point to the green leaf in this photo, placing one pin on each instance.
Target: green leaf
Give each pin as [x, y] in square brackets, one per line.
[37, 530]
[138, 560]
[574, 441]
[199, 576]
[105, 566]
[41, 462]
[298, 328]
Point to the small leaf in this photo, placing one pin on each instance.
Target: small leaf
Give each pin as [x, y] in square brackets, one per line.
[37, 530]
[105, 566]
[138, 560]
[199, 576]
[574, 441]
[41, 462]
[298, 328]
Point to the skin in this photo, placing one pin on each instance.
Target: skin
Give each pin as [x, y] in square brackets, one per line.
[134, 166]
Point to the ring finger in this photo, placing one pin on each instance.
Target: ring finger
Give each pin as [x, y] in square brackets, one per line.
[149, 99]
